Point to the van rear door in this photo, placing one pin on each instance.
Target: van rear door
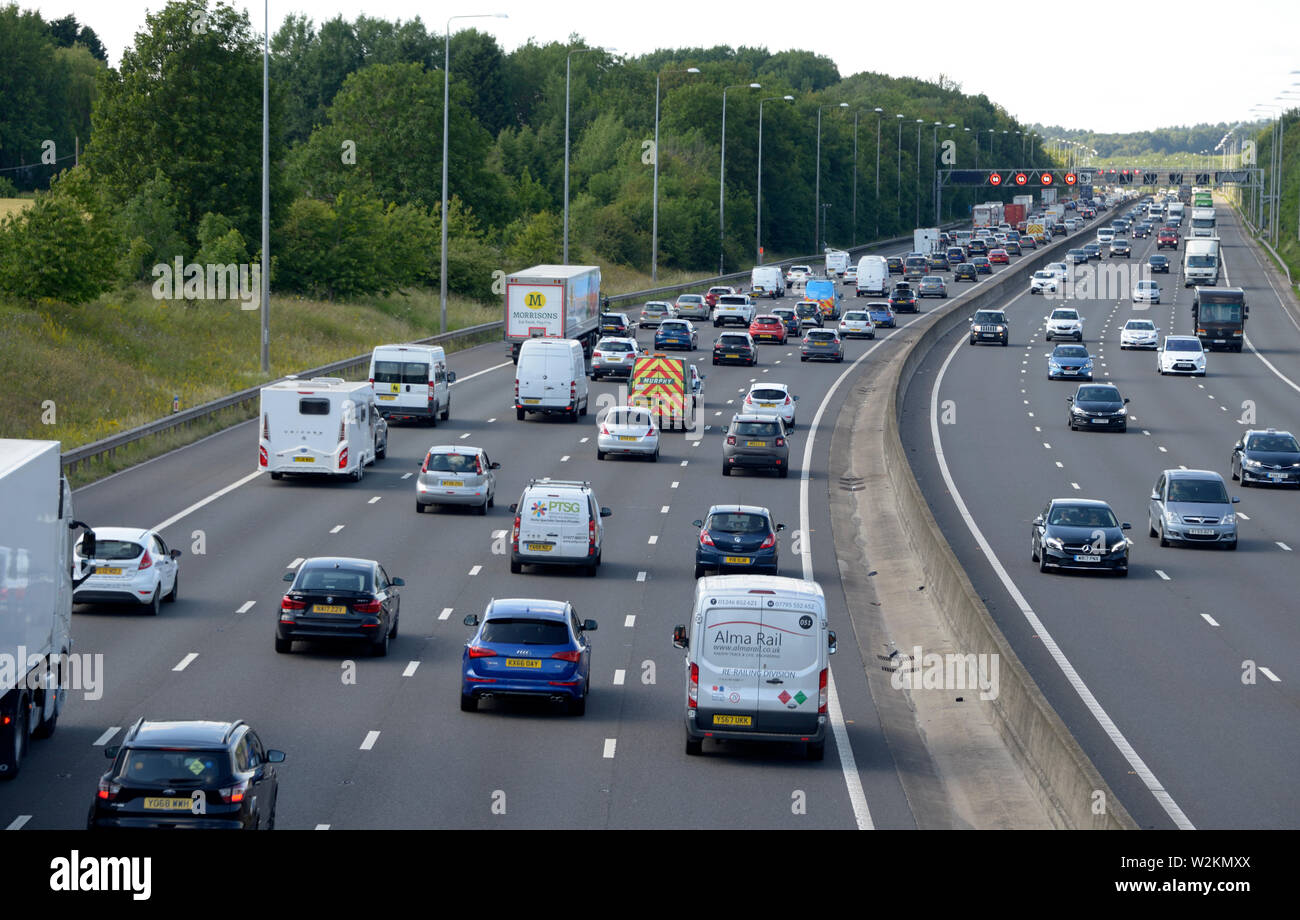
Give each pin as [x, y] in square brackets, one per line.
[789, 647]
[729, 668]
[402, 381]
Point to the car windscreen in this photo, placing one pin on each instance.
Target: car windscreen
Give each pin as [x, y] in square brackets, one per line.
[984, 317]
[1070, 351]
[1098, 394]
[525, 631]
[1182, 345]
[451, 463]
[1064, 314]
[738, 522]
[816, 336]
[1045, 276]
[173, 768]
[1142, 324]
[757, 429]
[1198, 490]
[341, 580]
[653, 308]
[1082, 516]
[1273, 442]
[400, 372]
[115, 550]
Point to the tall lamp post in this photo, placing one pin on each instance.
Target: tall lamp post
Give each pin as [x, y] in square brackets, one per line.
[879, 110]
[898, 190]
[758, 217]
[917, 167]
[446, 110]
[722, 176]
[568, 62]
[817, 193]
[654, 219]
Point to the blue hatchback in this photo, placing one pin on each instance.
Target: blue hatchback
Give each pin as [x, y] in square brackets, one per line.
[737, 538]
[882, 314]
[676, 334]
[527, 647]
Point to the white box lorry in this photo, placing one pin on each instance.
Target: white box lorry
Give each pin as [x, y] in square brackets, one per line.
[37, 532]
[925, 240]
[1201, 261]
[553, 301]
[325, 425]
[837, 263]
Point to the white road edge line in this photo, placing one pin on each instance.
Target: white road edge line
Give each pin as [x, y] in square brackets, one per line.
[1040, 629]
[1270, 675]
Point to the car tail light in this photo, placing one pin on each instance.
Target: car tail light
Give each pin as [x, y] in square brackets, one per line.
[821, 690]
[706, 538]
[516, 390]
[572, 655]
[145, 561]
[424, 467]
[769, 542]
[343, 459]
[596, 354]
[233, 795]
[514, 534]
[787, 400]
[650, 433]
[591, 538]
[371, 607]
[693, 688]
[780, 442]
[108, 789]
[573, 390]
[731, 439]
[481, 651]
[261, 456]
[292, 603]
[807, 341]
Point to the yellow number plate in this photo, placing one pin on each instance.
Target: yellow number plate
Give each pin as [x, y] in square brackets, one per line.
[104, 570]
[539, 547]
[453, 482]
[768, 405]
[756, 444]
[523, 663]
[627, 437]
[386, 396]
[733, 356]
[737, 560]
[328, 608]
[304, 459]
[167, 804]
[531, 402]
[733, 720]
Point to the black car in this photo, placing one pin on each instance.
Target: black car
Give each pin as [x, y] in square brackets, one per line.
[895, 264]
[737, 538]
[982, 265]
[989, 326]
[1079, 534]
[338, 597]
[1141, 231]
[193, 774]
[1077, 256]
[1097, 405]
[977, 247]
[809, 313]
[1158, 263]
[1093, 250]
[735, 348]
[902, 299]
[965, 272]
[615, 324]
[1120, 247]
[1269, 456]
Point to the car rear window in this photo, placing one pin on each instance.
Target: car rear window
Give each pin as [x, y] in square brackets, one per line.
[396, 372]
[199, 769]
[354, 581]
[525, 631]
[690, 298]
[115, 549]
[757, 429]
[1198, 490]
[739, 522]
[670, 325]
[855, 317]
[733, 341]
[451, 463]
[614, 346]
[818, 336]
[767, 394]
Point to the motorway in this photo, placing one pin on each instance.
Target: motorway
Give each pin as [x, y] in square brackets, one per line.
[381, 743]
[1180, 680]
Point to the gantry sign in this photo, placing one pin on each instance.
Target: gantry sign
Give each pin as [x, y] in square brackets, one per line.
[1054, 178]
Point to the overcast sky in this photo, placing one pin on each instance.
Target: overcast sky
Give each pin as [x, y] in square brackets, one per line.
[1126, 67]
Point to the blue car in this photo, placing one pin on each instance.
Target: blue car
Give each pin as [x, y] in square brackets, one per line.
[1069, 362]
[527, 647]
[882, 314]
[735, 538]
[676, 333]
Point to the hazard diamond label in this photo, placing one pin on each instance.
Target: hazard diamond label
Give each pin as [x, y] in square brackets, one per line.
[783, 696]
[799, 697]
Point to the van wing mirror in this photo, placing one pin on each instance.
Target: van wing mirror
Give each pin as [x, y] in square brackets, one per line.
[605, 512]
[451, 376]
[679, 637]
[514, 509]
[830, 642]
[471, 619]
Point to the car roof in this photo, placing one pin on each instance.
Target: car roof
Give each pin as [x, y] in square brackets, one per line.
[766, 384]
[1192, 474]
[513, 606]
[343, 562]
[1081, 502]
[754, 417]
[456, 448]
[165, 734]
[132, 534]
[616, 338]
[739, 509]
[1280, 431]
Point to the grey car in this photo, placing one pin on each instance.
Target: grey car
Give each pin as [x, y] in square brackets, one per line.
[456, 475]
[693, 305]
[1192, 506]
[756, 442]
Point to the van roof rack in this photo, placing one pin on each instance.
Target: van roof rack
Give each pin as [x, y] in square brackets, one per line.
[560, 482]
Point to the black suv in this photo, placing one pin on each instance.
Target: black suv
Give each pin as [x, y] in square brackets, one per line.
[903, 298]
[989, 326]
[188, 774]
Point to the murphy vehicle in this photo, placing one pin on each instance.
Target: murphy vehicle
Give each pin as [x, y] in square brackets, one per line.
[757, 662]
[827, 297]
[658, 383]
[553, 301]
[36, 584]
[411, 382]
[325, 425]
[1219, 317]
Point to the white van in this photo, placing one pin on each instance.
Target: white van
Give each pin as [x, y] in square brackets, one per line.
[873, 276]
[767, 279]
[837, 263]
[551, 378]
[557, 522]
[411, 381]
[323, 425]
[757, 661]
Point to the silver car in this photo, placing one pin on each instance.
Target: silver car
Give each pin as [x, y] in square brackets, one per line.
[655, 312]
[1192, 506]
[627, 430]
[614, 356]
[456, 475]
[857, 322]
[693, 305]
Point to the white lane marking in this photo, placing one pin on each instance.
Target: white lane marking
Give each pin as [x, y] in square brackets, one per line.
[211, 498]
[1075, 486]
[564, 459]
[663, 510]
[322, 827]
[619, 676]
[104, 738]
[1283, 546]
[583, 440]
[369, 743]
[1244, 517]
[1209, 619]
[486, 370]
[1163, 451]
[653, 540]
[1162, 575]
[675, 484]
[640, 576]
[1145, 432]
[1037, 428]
[1040, 629]
[697, 444]
[297, 562]
[406, 475]
[375, 499]
[1048, 446]
[336, 528]
[491, 420]
[464, 436]
[1181, 467]
[476, 570]
[246, 606]
[610, 744]
[446, 612]
[1060, 465]
[629, 621]
[185, 662]
[1270, 675]
[684, 462]
[17, 823]
[410, 669]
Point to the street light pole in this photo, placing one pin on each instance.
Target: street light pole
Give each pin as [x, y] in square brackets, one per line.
[917, 167]
[654, 219]
[817, 194]
[758, 217]
[722, 178]
[898, 190]
[568, 62]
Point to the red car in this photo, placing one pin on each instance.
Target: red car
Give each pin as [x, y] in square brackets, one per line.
[711, 298]
[767, 328]
[1168, 236]
[999, 255]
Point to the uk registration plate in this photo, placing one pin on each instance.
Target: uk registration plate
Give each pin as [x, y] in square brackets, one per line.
[540, 547]
[743, 721]
[328, 608]
[159, 803]
[737, 560]
[523, 662]
[304, 459]
[1087, 559]
[448, 483]
[531, 402]
[1200, 532]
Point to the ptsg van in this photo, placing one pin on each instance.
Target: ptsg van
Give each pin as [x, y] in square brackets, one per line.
[411, 381]
[551, 378]
[757, 661]
[557, 522]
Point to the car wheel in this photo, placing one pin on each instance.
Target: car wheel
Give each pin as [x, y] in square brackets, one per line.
[694, 746]
[1042, 561]
[600, 454]
[516, 567]
[1122, 573]
[481, 510]
[700, 570]
[381, 452]
[1164, 541]
[519, 415]
[715, 362]
[1123, 428]
[578, 707]
[784, 472]
[1233, 474]
[446, 412]
[815, 750]
[1232, 546]
[419, 508]
[468, 703]
[277, 476]
[283, 646]
[13, 743]
[592, 569]
[803, 358]
[175, 591]
[654, 458]
[972, 341]
[726, 470]
[1245, 483]
[380, 649]
[155, 605]
[433, 417]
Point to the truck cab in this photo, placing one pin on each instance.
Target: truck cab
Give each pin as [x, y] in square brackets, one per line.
[1219, 317]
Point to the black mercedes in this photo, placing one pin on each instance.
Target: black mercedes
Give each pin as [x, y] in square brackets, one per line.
[1079, 533]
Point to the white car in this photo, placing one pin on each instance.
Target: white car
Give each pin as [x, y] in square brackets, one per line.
[614, 355]
[1104, 236]
[1059, 269]
[1181, 354]
[851, 275]
[1064, 323]
[627, 430]
[130, 566]
[798, 274]
[1044, 282]
[1146, 292]
[857, 322]
[770, 399]
[1139, 333]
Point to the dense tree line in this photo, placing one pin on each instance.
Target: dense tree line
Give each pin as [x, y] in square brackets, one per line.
[1148, 146]
[173, 164]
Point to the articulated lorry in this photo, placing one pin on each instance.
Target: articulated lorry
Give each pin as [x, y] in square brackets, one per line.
[36, 583]
[553, 301]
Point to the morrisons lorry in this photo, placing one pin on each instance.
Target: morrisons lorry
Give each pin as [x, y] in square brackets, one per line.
[553, 301]
[37, 532]
[660, 383]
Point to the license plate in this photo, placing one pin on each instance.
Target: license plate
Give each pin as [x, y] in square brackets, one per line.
[627, 437]
[733, 720]
[1087, 559]
[1277, 477]
[768, 405]
[1068, 371]
[1200, 532]
[328, 608]
[159, 803]
[1099, 421]
[737, 560]
[531, 402]
[104, 570]
[1220, 341]
[732, 356]
[304, 459]
[540, 547]
[756, 444]
[453, 482]
[386, 396]
[523, 662]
